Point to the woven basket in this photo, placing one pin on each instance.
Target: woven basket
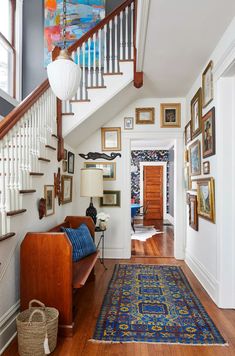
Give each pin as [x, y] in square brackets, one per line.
[37, 330]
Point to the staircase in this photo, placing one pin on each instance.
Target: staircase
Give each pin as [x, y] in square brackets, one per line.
[32, 132]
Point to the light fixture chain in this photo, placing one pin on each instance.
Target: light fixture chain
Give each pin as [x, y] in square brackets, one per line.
[64, 22]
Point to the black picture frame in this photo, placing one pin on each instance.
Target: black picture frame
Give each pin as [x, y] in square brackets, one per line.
[70, 165]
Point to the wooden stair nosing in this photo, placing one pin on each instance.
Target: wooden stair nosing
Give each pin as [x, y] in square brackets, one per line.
[16, 212]
[97, 87]
[113, 73]
[126, 60]
[80, 101]
[36, 174]
[55, 136]
[44, 159]
[67, 113]
[27, 191]
[7, 236]
[50, 147]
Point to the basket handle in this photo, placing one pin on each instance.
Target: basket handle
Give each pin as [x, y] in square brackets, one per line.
[37, 302]
[35, 312]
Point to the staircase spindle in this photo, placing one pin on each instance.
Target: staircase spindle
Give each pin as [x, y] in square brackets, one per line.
[105, 49]
[94, 61]
[83, 72]
[126, 41]
[115, 46]
[110, 46]
[3, 189]
[132, 30]
[89, 62]
[100, 54]
[121, 36]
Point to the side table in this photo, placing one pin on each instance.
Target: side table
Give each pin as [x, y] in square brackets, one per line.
[101, 240]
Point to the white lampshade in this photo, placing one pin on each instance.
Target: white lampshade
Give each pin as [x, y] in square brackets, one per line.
[91, 184]
[64, 76]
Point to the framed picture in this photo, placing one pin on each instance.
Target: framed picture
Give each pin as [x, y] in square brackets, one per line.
[128, 123]
[111, 198]
[206, 167]
[206, 198]
[195, 158]
[109, 168]
[187, 198]
[186, 158]
[70, 165]
[49, 195]
[66, 189]
[64, 166]
[111, 138]
[170, 115]
[65, 154]
[187, 179]
[144, 116]
[208, 134]
[187, 133]
[196, 113]
[207, 85]
[193, 213]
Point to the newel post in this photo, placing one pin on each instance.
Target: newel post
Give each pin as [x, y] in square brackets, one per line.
[138, 76]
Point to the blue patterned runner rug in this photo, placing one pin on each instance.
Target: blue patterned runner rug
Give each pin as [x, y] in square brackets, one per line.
[153, 304]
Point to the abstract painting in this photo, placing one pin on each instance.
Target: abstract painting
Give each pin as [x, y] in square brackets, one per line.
[82, 15]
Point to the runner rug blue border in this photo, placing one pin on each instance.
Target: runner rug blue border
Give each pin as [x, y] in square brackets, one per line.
[153, 304]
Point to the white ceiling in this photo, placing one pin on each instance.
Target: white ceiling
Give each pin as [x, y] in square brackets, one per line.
[181, 35]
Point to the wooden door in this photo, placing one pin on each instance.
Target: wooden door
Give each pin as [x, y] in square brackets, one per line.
[153, 192]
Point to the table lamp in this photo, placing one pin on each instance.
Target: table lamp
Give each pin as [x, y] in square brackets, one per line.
[91, 186]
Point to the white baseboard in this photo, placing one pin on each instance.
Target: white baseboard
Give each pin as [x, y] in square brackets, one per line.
[209, 283]
[8, 326]
[170, 218]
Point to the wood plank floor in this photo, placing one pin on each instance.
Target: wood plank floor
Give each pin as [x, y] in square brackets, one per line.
[90, 300]
[159, 245]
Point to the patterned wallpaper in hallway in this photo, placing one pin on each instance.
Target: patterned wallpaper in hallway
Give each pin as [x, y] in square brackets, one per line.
[138, 156]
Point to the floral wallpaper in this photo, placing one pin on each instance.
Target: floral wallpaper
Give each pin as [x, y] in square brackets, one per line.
[138, 156]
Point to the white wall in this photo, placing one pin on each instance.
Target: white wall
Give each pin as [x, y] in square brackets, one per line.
[203, 248]
[117, 239]
[9, 250]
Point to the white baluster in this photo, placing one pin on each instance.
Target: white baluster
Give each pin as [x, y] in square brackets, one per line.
[100, 54]
[8, 177]
[11, 165]
[132, 30]
[121, 36]
[83, 72]
[89, 62]
[94, 61]
[3, 189]
[110, 46]
[115, 46]
[17, 169]
[105, 49]
[79, 88]
[37, 153]
[126, 42]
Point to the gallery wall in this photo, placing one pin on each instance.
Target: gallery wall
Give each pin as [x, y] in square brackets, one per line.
[203, 246]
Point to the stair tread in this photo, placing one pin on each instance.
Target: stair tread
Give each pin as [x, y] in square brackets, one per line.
[80, 101]
[36, 174]
[67, 113]
[27, 191]
[50, 147]
[97, 87]
[16, 212]
[7, 236]
[44, 159]
[113, 73]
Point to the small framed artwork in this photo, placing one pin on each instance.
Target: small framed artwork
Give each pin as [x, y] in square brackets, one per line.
[145, 116]
[187, 198]
[208, 134]
[195, 158]
[65, 154]
[66, 189]
[111, 198]
[70, 165]
[64, 166]
[49, 195]
[109, 168]
[196, 113]
[206, 167]
[128, 123]
[186, 156]
[187, 133]
[193, 214]
[187, 178]
[206, 198]
[207, 85]
[170, 115]
[111, 138]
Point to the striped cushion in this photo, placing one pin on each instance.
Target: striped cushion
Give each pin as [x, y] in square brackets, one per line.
[81, 240]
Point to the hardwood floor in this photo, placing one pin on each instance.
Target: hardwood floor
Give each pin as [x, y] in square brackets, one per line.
[159, 245]
[90, 300]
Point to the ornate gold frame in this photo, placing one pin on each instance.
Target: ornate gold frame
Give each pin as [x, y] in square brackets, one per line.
[210, 182]
[177, 107]
[140, 121]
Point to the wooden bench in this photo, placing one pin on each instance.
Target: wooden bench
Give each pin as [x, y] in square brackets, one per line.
[47, 272]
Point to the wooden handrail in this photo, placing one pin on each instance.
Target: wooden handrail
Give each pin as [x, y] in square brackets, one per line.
[16, 114]
[95, 29]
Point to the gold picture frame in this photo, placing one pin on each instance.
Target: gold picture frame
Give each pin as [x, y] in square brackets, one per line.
[49, 195]
[196, 114]
[111, 138]
[195, 158]
[109, 169]
[206, 198]
[207, 85]
[144, 116]
[170, 115]
[193, 212]
[111, 198]
[66, 189]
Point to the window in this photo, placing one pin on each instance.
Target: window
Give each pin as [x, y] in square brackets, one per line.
[7, 47]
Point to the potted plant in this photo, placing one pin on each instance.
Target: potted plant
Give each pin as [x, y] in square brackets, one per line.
[102, 219]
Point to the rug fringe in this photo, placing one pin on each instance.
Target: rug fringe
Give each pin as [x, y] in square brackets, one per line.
[149, 343]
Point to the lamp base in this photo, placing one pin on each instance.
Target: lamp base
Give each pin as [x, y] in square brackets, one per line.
[92, 212]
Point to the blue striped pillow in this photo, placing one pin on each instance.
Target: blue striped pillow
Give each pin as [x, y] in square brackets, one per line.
[81, 240]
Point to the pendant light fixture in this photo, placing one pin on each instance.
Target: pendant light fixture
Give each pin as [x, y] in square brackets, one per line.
[63, 74]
